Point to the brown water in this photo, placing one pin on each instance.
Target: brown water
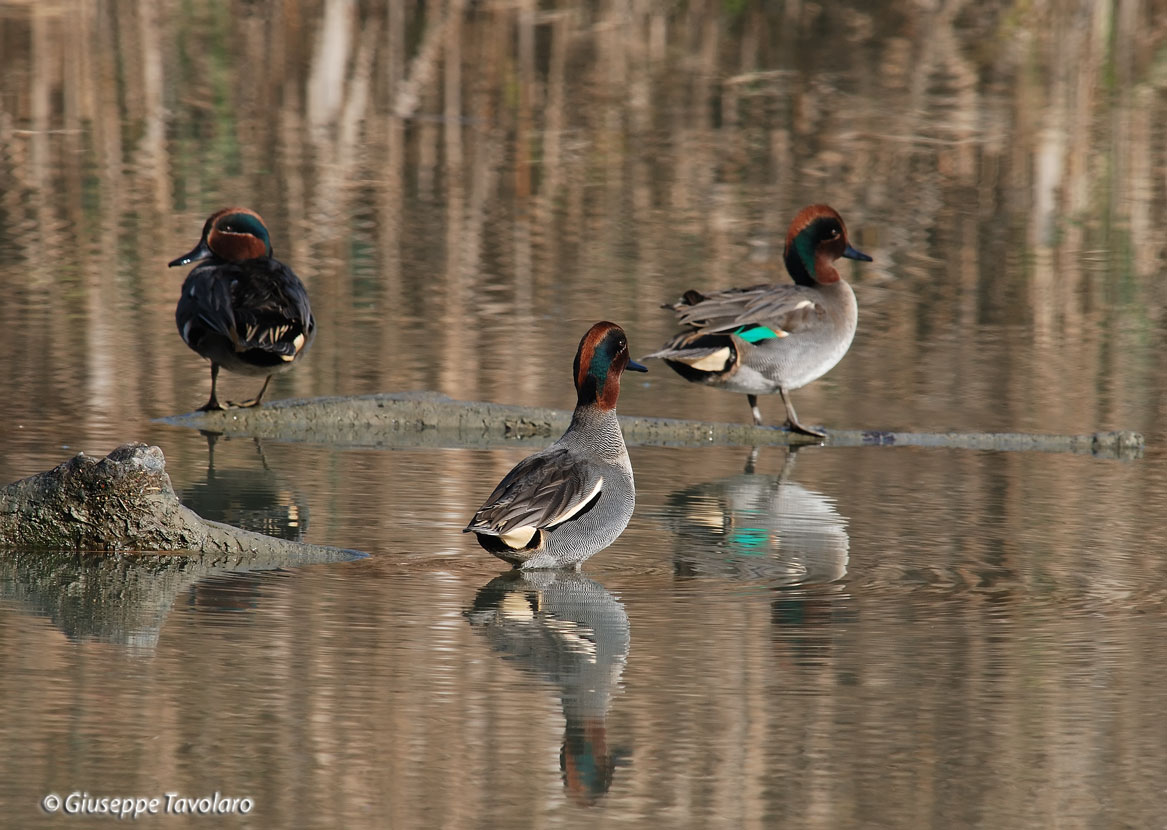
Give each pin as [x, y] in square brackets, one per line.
[865, 637]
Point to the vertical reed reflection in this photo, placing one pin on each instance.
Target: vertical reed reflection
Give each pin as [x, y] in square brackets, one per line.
[526, 163]
[465, 186]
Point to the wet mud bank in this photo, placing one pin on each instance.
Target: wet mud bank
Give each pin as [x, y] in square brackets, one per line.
[431, 420]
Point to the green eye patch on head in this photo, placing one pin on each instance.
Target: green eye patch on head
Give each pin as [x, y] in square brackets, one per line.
[242, 223]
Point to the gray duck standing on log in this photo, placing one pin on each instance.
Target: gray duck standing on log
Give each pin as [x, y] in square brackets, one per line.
[773, 338]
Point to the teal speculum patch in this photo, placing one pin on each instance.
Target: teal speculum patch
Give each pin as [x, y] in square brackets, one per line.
[750, 541]
[753, 334]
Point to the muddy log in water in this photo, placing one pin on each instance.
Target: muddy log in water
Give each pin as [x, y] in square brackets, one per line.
[125, 502]
[424, 419]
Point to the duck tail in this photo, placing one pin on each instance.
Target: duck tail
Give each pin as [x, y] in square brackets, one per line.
[689, 298]
[699, 358]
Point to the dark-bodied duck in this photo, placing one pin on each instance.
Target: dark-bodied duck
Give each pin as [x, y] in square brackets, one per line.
[558, 507]
[241, 308]
[773, 338]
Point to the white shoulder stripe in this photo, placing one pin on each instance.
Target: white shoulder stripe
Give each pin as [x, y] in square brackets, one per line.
[519, 537]
[578, 506]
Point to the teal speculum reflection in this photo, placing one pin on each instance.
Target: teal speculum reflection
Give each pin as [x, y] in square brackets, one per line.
[764, 528]
[572, 633]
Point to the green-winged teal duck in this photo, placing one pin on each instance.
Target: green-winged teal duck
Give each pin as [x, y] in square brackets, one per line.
[241, 308]
[558, 507]
[773, 338]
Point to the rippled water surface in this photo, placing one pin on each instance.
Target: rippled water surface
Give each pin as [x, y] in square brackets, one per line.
[838, 637]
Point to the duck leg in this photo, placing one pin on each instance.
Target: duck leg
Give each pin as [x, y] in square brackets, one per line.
[254, 401]
[757, 413]
[212, 403]
[792, 419]
[788, 463]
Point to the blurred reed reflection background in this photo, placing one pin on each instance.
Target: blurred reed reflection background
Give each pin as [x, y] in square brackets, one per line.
[452, 181]
[464, 188]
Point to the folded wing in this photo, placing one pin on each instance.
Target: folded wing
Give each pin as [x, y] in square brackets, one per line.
[271, 309]
[541, 492]
[783, 308]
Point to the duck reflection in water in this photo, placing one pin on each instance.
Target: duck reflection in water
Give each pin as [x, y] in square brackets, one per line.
[759, 527]
[570, 630]
[252, 495]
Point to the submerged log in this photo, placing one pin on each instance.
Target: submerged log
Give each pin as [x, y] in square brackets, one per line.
[431, 420]
[125, 502]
